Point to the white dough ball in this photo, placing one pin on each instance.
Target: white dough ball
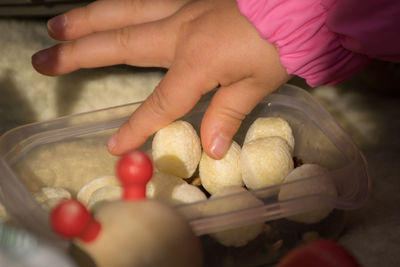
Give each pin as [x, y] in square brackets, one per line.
[240, 236]
[324, 185]
[46, 193]
[103, 194]
[50, 203]
[265, 162]
[87, 190]
[161, 186]
[49, 197]
[186, 193]
[270, 126]
[176, 149]
[189, 194]
[215, 174]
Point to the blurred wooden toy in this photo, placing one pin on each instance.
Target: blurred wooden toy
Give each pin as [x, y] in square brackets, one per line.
[131, 232]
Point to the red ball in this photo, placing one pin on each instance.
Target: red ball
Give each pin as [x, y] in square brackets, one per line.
[135, 168]
[70, 218]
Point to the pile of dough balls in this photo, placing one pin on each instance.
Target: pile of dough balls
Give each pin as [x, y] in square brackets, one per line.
[265, 159]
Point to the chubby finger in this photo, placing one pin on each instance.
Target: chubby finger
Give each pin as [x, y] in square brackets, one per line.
[109, 15]
[228, 107]
[142, 45]
[176, 95]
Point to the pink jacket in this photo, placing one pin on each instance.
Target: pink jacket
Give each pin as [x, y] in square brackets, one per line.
[327, 41]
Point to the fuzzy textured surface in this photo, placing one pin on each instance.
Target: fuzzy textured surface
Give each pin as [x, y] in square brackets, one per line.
[27, 96]
[367, 106]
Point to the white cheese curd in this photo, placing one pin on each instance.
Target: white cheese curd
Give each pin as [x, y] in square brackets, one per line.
[176, 149]
[323, 185]
[265, 162]
[270, 126]
[240, 236]
[215, 174]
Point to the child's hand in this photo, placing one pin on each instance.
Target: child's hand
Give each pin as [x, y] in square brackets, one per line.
[204, 44]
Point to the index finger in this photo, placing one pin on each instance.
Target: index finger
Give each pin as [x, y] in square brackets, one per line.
[176, 95]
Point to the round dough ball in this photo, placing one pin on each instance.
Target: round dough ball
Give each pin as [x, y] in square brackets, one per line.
[242, 235]
[215, 174]
[103, 194]
[265, 162]
[176, 149]
[50, 203]
[324, 185]
[270, 126]
[46, 193]
[87, 190]
[186, 193]
[161, 186]
[49, 197]
[189, 194]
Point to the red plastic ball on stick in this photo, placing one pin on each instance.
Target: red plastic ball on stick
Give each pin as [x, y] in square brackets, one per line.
[134, 170]
[71, 219]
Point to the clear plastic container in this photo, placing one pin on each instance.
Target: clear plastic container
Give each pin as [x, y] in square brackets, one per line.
[78, 143]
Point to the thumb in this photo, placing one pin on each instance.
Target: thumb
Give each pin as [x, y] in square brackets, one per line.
[173, 98]
[228, 108]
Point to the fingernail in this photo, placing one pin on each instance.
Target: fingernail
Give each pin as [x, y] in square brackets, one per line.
[112, 142]
[40, 57]
[220, 146]
[57, 24]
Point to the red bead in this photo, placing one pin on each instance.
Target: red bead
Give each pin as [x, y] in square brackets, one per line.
[134, 170]
[71, 219]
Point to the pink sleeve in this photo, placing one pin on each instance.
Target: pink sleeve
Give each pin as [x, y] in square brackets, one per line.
[368, 27]
[313, 39]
